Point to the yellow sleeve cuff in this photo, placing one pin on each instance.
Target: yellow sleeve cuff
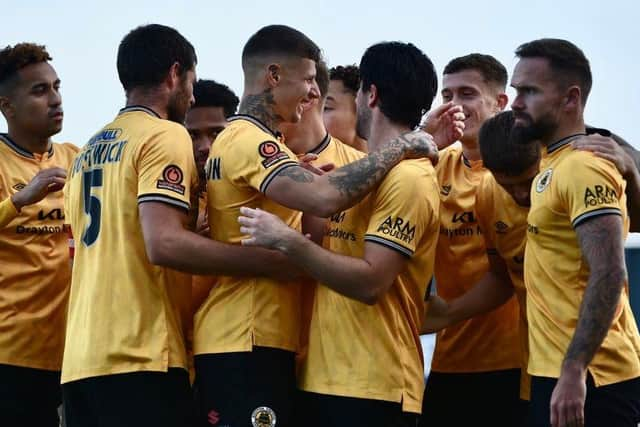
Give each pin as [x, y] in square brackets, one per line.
[8, 212]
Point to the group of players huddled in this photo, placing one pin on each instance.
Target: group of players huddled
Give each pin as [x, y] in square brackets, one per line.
[205, 260]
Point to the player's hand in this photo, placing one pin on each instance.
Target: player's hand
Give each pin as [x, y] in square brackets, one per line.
[608, 149]
[44, 182]
[263, 228]
[305, 162]
[436, 315]
[445, 124]
[419, 144]
[568, 397]
[202, 225]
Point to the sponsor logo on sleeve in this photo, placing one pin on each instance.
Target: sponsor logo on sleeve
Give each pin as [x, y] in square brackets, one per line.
[172, 178]
[398, 228]
[599, 195]
[271, 153]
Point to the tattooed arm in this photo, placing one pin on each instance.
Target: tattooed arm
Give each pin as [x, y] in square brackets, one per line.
[342, 188]
[601, 242]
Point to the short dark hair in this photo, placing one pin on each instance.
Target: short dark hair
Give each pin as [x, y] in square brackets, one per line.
[146, 54]
[209, 93]
[322, 77]
[349, 75]
[566, 60]
[279, 40]
[405, 79]
[500, 150]
[15, 58]
[490, 68]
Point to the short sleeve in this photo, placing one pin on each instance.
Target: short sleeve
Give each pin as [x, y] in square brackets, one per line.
[400, 209]
[166, 169]
[260, 159]
[589, 187]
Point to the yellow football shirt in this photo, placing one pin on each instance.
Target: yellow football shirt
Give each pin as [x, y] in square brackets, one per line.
[35, 274]
[504, 226]
[241, 312]
[126, 314]
[8, 211]
[484, 343]
[572, 186]
[374, 351]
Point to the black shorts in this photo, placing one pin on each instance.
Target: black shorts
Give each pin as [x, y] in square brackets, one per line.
[231, 388]
[29, 397]
[613, 405]
[469, 399]
[323, 410]
[136, 399]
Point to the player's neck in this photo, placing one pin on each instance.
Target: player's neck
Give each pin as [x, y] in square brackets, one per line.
[149, 100]
[566, 129]
[359, 144]
[383, 130]
[304, 137]
[471, 149]
[260, 104]
[29, 142]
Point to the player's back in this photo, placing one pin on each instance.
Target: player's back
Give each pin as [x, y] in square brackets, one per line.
[245, 311]
[125, 313]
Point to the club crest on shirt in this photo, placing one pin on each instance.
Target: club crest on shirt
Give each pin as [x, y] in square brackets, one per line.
[263, 416]
[544, 180]
[172, 177]
[271, 153]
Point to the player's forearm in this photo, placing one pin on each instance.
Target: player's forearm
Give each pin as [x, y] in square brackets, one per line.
[601, 245]
[8, 212]
[491, 291]
[351, 277]
[190, 253]
[598, 308]
[633, 199]
[324, 195]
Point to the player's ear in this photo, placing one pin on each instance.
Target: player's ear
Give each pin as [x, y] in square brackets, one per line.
[573, 98]
[274, 74]
[372, 96]
[174, 75]
[6, 107]
[502, 101]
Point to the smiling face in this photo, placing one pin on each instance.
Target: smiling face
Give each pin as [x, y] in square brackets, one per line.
[35, 104]
[295, 88]
[479, 99]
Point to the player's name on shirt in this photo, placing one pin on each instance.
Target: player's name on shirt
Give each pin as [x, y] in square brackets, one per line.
[105, 147]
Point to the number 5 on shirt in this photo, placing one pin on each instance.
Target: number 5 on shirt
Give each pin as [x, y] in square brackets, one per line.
[92, 205]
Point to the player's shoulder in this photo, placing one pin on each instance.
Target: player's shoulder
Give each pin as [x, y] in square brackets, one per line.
[411, 175]
[573, 162]
[450, 154]
[346, 151]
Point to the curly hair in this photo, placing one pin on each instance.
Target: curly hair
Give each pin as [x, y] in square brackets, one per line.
[209, 93]
[15, 58]
[349, 75]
